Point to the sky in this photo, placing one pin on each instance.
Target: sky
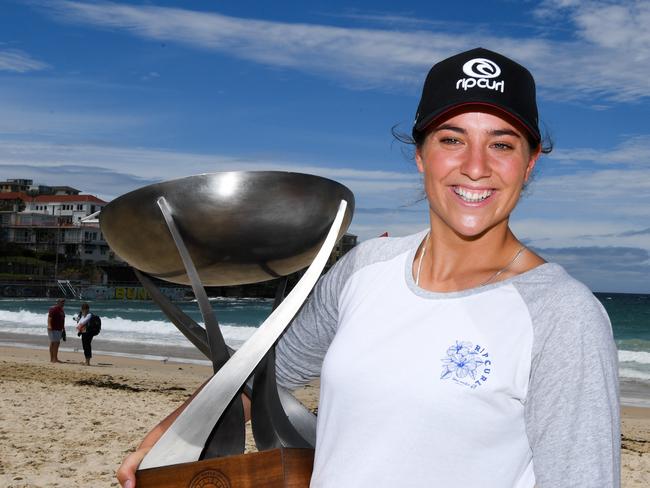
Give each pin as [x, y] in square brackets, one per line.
[108, 97]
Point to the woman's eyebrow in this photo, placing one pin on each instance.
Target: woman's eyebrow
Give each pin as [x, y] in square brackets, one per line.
[492, 132]
[450, 127]
[503, 132]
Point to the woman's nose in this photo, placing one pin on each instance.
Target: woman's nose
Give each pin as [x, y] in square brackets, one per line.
[475, 164]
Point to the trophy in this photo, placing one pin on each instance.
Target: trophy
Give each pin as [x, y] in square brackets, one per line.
[222, 229]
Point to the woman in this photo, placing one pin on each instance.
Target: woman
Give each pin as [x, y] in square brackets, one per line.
[83, 320]
[457, 356]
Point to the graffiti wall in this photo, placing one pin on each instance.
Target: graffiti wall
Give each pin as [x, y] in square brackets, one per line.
[128, 293]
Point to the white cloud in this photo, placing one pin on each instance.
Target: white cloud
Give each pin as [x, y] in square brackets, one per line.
[612, 186]
[605, 268]
[551, 232]
[635, 151]
[620, 25]
[163, 164]
[610, 201]
[610, 54]
[588, 66]
[19, 62]
[111, 171]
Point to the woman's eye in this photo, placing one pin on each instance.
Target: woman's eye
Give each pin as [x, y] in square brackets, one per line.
[449, 140]
[502, 145]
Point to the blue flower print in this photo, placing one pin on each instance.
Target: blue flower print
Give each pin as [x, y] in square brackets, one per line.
[461, 361]
[461, 347]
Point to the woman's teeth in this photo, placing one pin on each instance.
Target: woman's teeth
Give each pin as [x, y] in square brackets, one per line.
[472, 196]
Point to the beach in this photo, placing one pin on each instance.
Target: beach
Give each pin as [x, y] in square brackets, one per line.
[67, 425]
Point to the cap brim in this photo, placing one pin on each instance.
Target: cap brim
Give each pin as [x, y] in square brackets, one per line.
[438, 114]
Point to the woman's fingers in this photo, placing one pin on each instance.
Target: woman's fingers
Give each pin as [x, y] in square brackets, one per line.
[126, 472]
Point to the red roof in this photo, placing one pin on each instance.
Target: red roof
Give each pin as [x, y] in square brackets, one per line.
[68, 198]
[15, 195]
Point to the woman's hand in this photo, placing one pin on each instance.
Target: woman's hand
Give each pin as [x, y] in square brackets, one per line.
[126, 472]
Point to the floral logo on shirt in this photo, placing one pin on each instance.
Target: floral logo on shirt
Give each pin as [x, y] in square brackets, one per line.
[466, 364]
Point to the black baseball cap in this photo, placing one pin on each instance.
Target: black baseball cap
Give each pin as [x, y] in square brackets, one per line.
[478, 77]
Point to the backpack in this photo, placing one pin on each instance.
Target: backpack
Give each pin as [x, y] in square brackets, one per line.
[94, 325]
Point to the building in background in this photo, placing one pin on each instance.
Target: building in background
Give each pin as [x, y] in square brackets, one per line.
[15, 186]
[52, 222]
[28, 186]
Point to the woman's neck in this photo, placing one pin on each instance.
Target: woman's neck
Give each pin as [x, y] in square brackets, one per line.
[451, 262]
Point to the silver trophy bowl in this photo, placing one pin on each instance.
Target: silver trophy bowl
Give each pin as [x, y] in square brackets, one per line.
[239, 227]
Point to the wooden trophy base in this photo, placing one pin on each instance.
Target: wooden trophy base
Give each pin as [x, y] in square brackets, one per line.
[277, 468]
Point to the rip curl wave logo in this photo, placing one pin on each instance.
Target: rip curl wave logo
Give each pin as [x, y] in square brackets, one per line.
[466, 364]
[481, 68]
[481, 71]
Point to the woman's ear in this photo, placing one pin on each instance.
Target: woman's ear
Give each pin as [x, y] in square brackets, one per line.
[532, 162]
[418, 159]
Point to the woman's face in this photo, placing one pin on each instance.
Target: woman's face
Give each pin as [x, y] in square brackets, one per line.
[475, 165]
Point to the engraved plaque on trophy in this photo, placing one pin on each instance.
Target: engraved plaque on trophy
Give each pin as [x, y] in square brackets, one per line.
[222, 229]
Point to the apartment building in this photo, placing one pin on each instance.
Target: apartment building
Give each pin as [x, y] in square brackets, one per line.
[28, 186]
[45, 223]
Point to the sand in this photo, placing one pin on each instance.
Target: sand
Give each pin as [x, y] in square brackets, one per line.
[67, 425]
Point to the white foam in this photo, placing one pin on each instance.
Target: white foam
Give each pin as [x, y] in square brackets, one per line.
[641, 357]
[119, 329]
[24, 317]
[633, 374]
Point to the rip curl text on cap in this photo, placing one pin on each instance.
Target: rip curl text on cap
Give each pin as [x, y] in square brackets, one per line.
[480, 77]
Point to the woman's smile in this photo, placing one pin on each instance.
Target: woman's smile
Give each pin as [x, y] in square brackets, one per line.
[475, 164]
[472, 196]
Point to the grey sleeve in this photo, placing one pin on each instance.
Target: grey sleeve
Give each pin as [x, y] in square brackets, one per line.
[572, 406]
[301, 349]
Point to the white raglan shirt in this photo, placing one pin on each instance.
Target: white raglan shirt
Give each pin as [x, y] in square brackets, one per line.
[512, 384]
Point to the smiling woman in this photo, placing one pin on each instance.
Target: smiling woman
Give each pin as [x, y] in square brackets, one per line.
[505, 351]
[457, 354]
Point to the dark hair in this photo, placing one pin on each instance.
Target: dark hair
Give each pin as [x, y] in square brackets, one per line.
[85, 306]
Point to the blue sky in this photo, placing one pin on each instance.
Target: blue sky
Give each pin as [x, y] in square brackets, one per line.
[111, 96]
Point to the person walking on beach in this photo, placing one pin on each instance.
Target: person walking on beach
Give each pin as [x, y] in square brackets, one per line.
[457, 356]
[83, 320]
[56, 328]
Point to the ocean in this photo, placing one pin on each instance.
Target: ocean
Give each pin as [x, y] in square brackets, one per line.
[142, 323]
[630, 316]
[138, 322]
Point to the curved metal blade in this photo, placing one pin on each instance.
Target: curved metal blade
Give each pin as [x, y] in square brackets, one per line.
[218, 349]
[275, 424]
[185, 438]
[183, 322]
[229, 434]
[300, 417]
[271, 425]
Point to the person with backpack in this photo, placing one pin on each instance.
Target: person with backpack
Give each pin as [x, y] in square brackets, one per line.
[87, 328]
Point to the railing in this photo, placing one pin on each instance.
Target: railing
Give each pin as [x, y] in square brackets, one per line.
[66, 288]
